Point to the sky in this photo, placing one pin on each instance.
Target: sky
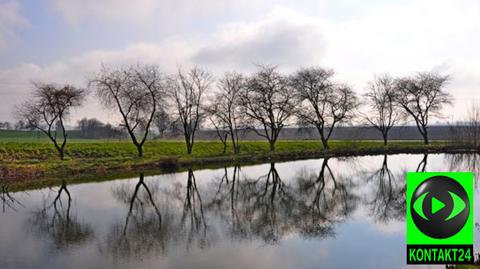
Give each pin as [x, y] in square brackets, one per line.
[66, 41]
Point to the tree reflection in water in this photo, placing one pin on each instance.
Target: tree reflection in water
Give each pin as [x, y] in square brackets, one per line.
[193, 221]
[234, 209]
[268, 208]
[8, 199]
[387, 201]
[264, 208]
[422, 165]
[141, 183]
[224, 202]
[144, 229]
[265, 203]
[464, 162]
[387, 197]
[55, 221]
[324, 199]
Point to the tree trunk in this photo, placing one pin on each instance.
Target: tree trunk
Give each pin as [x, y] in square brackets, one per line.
[224, 146]
[235, 147]
[140, 151]
[325, 143]
[189, 148]
[272, 146]
[322, 137]
[188, 144]
[425, 137]
[61, 154]
[225, 141]
[234, 143]
[384, 139]
[423, 131]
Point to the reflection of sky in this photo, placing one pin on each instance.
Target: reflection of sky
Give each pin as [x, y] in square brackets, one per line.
[360, 241]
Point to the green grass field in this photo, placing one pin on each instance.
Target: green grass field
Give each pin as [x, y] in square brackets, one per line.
[43, 151]
[28, 159]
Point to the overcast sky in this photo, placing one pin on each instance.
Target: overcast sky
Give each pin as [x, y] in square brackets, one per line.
[65, 41]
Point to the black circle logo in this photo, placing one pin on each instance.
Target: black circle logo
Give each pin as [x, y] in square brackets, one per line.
[440, 207]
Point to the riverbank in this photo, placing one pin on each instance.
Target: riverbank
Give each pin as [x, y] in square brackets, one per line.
[31, 164]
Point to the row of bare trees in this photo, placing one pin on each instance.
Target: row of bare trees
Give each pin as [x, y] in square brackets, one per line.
[264, 102]
[418, 98]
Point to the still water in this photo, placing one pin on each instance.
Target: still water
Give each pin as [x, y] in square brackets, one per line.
[335, 213]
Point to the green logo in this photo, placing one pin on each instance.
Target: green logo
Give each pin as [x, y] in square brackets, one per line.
[439, 218]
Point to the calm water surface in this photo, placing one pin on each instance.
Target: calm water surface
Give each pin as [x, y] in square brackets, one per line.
[335, 213]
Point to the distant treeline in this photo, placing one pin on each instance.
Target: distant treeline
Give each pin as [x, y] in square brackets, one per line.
[85, 129]
[94, 129]
[408, 132]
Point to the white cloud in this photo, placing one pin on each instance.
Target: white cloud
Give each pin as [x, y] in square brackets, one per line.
[16, 82]
[166, 12]
[400, 39]
[75, 11]
[415, 36]
[283, 37]
[10, 18]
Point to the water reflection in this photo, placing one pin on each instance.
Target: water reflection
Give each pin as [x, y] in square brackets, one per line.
[268, 208]
[193, 222]
[387, 199]
[144, 230]
[149, 229]
[299, 205]
[464, 162]
[261, 208]
[422, 166]
[324, 199]
[224, 202]
[266, 204]
[56, 222]
[8, 200]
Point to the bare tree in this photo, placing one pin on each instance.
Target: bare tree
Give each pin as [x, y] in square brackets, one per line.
[323, 103]
[49, 109]
[221, 131]
[473, 125]
[383, 111]
[422, 97]
[468, 132]
[268, 102]
[225, 110]
[187, 91]
[135, 92]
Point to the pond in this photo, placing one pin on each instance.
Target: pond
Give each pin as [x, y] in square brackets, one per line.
[334, 213]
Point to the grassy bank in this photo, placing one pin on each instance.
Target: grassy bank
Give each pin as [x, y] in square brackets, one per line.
[34, 162]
